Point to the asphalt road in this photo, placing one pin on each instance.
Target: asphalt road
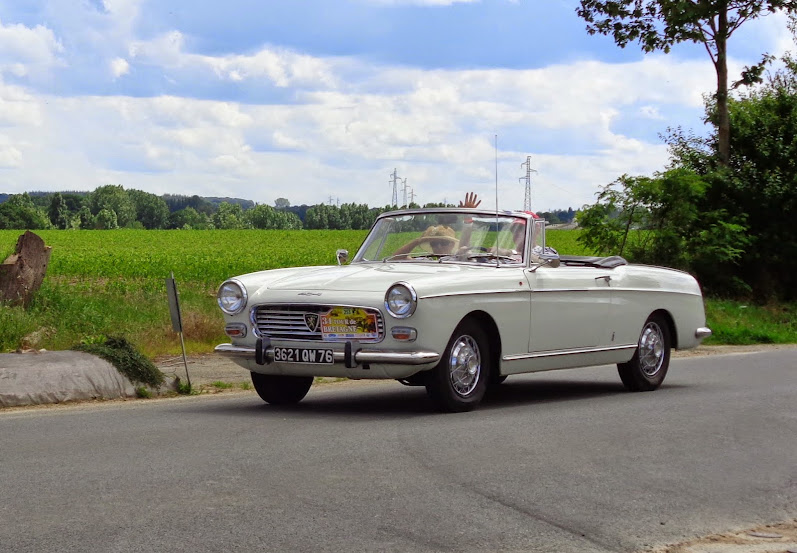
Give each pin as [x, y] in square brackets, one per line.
[563, 461]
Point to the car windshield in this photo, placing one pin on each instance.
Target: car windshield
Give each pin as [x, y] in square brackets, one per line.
[446, 237]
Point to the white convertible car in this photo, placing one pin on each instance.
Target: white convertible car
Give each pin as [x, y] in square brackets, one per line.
[456, 300]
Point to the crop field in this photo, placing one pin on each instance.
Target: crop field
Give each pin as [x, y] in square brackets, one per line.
[104, 283]
[201, 256]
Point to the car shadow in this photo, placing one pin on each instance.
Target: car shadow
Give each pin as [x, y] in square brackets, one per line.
[409, 402]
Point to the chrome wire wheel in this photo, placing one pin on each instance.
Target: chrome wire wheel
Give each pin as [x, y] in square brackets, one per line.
[646, 370]
[651, 349]
[464, 366]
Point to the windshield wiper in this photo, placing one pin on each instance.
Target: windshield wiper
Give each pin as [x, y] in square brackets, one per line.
[491, 255]
[411, 256]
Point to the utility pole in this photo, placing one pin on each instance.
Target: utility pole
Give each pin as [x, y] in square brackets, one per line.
[394, 182]
[404, 191]
[527, 178]
[412, 196]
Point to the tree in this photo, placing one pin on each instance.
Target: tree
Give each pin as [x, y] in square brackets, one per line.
[113, 198]
[667, 220]
[281, 203]
[19, 212]
[58, 212]
[106, 220]
[760, 181]
[189, 218]
[151, 211]
[228, 216]
[659, 24]
[266, 217]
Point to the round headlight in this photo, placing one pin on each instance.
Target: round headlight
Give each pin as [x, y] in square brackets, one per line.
[232, 297]
[401, 300]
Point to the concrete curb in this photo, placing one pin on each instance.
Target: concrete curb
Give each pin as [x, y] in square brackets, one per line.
[58, 376]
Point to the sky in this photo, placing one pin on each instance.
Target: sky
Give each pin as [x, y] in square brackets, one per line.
[320, 101]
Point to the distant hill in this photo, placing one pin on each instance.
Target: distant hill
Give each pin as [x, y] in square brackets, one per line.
[245, 204]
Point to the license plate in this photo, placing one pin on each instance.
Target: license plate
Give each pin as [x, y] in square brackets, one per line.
[304, 355]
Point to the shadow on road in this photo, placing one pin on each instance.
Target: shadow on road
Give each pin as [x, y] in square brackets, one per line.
[403, 402]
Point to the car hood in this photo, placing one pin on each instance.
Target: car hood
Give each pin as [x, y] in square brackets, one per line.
[370, 277]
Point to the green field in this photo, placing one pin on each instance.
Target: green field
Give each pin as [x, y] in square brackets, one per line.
[104, 283]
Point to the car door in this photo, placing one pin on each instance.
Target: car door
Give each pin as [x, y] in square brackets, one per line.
[570, 308]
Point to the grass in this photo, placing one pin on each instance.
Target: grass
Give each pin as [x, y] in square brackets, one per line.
[113, 283]
[742, 323]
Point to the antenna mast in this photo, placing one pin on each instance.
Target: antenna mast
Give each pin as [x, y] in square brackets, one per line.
[527, 178]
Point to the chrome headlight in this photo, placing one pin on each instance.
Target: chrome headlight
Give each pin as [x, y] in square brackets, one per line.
[401, 300]
[232, 297]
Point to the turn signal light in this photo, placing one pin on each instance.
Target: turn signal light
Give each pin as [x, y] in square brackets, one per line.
[404, 333]
[235, 330]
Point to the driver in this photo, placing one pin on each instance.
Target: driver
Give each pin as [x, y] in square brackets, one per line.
[441, 238]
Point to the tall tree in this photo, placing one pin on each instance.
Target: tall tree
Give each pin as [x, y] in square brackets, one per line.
[58, 212]
[659, 24]
[151, 211]
[113, 198]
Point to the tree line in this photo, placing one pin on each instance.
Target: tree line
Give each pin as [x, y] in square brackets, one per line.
[111, 207]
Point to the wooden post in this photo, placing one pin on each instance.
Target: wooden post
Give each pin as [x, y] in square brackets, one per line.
[22, 273]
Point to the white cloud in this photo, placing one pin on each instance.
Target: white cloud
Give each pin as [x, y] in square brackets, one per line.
[25, 50]
[10, 157]
[119, 67]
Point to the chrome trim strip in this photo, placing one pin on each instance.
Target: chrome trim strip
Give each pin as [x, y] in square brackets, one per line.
[702, 333]
[361, 356]
[475, 293]
[520, 356]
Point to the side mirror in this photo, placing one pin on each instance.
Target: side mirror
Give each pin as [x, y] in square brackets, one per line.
[550, 259]
[547, 257]
[342, 255]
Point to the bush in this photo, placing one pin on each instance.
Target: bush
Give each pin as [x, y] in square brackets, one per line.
[126, 358]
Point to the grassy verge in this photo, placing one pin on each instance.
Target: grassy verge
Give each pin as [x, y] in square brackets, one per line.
[741, 323]
[67, 312]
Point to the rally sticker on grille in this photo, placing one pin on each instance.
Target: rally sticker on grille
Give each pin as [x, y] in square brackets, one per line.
[342, 323]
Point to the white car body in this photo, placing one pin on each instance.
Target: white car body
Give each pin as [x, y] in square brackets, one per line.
[539, 313]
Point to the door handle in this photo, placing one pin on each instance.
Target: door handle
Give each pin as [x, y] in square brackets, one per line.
[607, 278]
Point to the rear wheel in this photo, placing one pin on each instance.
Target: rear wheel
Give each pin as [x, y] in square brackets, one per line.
[648, 367]
[280, 389]
[459, 381]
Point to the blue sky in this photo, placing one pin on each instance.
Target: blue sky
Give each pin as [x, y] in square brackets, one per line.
[307, 99]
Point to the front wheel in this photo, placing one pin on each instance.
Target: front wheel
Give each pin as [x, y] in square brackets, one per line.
[648, 367]
[459, 381]
[280, 389]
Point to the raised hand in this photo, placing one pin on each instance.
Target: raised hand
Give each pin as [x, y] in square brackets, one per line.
[471, 200]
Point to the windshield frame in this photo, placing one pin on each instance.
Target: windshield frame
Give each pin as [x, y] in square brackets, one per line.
[502, 221]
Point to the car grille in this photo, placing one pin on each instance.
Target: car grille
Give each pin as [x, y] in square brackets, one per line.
[288, 321]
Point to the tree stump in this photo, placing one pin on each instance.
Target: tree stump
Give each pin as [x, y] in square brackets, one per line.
[22, 273]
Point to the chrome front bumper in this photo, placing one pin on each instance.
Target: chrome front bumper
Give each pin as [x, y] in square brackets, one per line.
[351, 356]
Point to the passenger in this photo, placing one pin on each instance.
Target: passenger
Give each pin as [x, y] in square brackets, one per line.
[441, 238]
